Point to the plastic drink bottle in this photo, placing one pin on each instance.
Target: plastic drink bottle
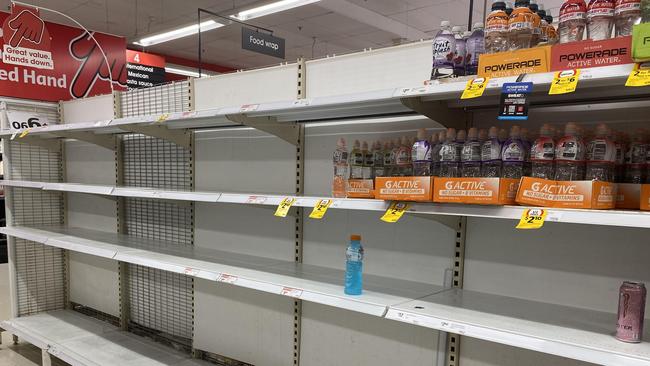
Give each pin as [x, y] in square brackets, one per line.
[482, 135]
[378, 160]
[340, 160]
[542, 154]
[572, 21]
[357, 159]
[513, 155]
[403, 159]
[449, 157]
[496, 29]
[551, 32]
[627, 13]
[509, 8]
[461, 136]
[619, 168]
[645, 11]
[635, 159]
[354, 266]
[601, 156]
[388, 163]
[460, 52]
[436, 145]
[444, 48]
[471, 155]
[421, 154]
[520, 26]
[537, 23]
[395, 150]
[368, 161]
[475, 48]
[541, 12]
[525, 140]
[503, 135]
[569, 155]
[600, 19]
[491, 155]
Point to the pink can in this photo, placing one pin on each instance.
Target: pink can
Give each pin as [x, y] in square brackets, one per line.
[631, 311]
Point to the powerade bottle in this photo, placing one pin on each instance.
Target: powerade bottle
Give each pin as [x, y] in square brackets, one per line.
[444, 48]
[600, 19]
[513, 155]
[461, 51]
[354, 266]
[491, 155]
[601, 156]
[449, 156]
[542, 154]
[570, 155]
[378, 160]
[573, 20]
[551, 32]
[357, 159]
[496, 30]
[368, 161]
[340, 160]
[626, 14]
[421, 154]
[521, 26]
[471, 155]
[475, 48]
[436, 145]
[509, 8]
[543, 25]
[537, 23]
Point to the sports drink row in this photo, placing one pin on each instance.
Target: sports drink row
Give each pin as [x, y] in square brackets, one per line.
[567, 153]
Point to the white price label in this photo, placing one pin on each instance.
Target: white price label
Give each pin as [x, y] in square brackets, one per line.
[248, 108]
[453, 327]
[226, 278]
[301, 102]
[188, 114]
[554, 216]
[291, 292]
[256, 200]
[191, 271]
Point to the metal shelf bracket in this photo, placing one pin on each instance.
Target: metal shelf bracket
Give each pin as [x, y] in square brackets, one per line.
[287, 131]
[105, 141]
[437, 110]
[179, 137]
[447, 220]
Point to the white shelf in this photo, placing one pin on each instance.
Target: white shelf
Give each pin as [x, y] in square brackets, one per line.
[311, 283]
[575, 333]
[621, 218]
[380, 102]
[81, 340]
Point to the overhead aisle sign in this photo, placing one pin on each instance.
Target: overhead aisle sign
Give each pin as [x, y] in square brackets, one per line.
[144, 70]
[52, 62]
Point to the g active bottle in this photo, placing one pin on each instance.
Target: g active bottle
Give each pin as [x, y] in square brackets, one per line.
[449, 156]
[570, 155]
[513, 155]
[368, 161]
[537, 23]
[542, 154]
[601, 156]
[356, 161]
[471, 155]
[421, 154]
[491, 155]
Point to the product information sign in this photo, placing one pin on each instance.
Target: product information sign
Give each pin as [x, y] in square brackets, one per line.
[515, 101]
[51, 62]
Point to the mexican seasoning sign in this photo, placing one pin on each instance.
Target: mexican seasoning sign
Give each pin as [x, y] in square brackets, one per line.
[52, 62]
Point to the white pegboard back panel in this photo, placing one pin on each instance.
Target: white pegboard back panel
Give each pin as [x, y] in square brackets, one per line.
[333, 336]
[386, 68]
[94, 282]
[89, 164]
[99, 108]
[48, 110]
[272, 84]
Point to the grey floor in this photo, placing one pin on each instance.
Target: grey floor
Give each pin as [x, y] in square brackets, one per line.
[22, 354]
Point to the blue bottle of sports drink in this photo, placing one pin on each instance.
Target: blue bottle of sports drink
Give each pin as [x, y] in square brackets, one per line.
[354, 266]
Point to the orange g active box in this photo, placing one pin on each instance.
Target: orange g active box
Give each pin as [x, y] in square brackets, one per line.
[514, 63]
[566, 194]
[645, 197]
[628, 196]
[360, 188]
[404, 188]
[481, 191]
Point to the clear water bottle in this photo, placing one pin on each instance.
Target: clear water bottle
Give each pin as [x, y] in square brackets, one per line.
[570, 155]
[435, 153]
[354, 266]
[520, 26]
[449, 156]
[475, 48]
[378, 160]
[368, 161]
[491, 155]
[573, 20]
[513, 155]
[635, 159]
[357, 159]
[471, 155]
[626, 14]
[461, 51]
[601, 156]
[444, 48]
[421, 154]
[496, 29]
[600, 19]
[542, 154]
[340, 160]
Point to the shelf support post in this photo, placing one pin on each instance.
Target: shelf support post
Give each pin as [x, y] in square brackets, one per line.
[437, 110]
[179, 137]
[46, 359]
[453, 340]
[287, 131]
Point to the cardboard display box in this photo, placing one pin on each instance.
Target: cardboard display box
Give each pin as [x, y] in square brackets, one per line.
[588, 53]
[514, 63]
[645, 197]
[481, 191]
[360, 188]
[565, 194]
[628, 196]
[404, 188]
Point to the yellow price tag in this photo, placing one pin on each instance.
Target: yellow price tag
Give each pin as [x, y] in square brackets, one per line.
[474, 88]
[284, 206]
[23, 134]
[640, 76]
[320, 209]
[395, 212]
[564, 82]
[162, 118]
[532, 219]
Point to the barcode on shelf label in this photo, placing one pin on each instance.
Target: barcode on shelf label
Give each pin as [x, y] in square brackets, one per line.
[188, 114]
[191, 271]
[291, 292]
[257, 200]
[249, 108]
[453, 327]
[226, 278]
[301, 102]
[409, 318]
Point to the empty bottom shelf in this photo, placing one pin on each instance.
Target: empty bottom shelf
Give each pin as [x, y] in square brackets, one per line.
[81, 340]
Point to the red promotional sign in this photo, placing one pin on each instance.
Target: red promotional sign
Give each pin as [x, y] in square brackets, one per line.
[52, 62]
[586, 54]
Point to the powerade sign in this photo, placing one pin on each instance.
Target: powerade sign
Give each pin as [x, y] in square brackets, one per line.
[262, 43]
[514, 101]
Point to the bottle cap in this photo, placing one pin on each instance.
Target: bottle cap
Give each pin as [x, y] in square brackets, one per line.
[503, 134]
[457, 29]
[434, 138]
[451, 134]
[493, 132]
[467, 34]
[546, 130]
[357, 144]
[549, 19]
[355, 237]
[571, 129]
[602, 130]
[478, 26]
[364, 145]
[482, 134]
[341, 142]
[445, 24]
[533, 6]
[498, 5]
[472, 134]
[461, 136]
[442, 135]
[515, 131]
[422, 134]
